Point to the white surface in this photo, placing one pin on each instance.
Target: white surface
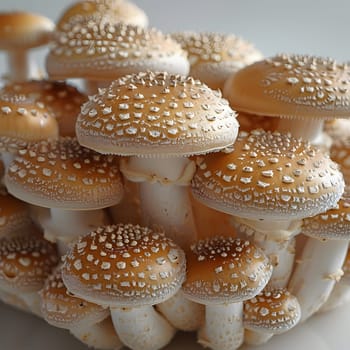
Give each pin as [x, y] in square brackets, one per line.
[328, 331]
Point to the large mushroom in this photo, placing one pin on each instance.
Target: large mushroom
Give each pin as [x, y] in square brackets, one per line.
[221, 274]
[76, 183]
[269, 182]
[19, 32]
[128, 268]
[301, 91]
[88, 322]
[159, 119]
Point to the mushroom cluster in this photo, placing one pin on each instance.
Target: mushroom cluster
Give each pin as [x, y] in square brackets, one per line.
[143, 202]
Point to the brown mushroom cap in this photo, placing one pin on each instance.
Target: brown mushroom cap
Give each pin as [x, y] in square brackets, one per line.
[24, 30]
[14, 214]
[63, 174]
[156, 114]
[22, 121]
[124, 265]
[275, 311]
[332, 224]
[64, 310]
[214, 56]
[111, 11]
[25, 262]
[104, 51]
[224, 269]
[61, 99]
[267, 175]
[291, 86]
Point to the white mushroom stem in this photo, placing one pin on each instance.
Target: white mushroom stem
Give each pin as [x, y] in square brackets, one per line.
[276, 239]
[340, 296]
[101, 335]
[67, 225]
[18, 65]
[182, 313]
[256, 337]
[142, 328]
[315, 275]
[223, 328]
[13, 300]
[32, 301]
[164, 196]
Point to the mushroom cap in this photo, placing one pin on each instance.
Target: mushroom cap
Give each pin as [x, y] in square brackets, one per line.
[24, 30]
[292, 86]
[64, 310]
[124, 265]
[275, 311]
[104, 51]
[111, 11]
[14, 214]
[332, 224]
[340, 153]
[60, 98]
[225, 270]
[63, 174]
[25, 262]
[22, 121]
[269, 176]
[214, 56]
[156, 114]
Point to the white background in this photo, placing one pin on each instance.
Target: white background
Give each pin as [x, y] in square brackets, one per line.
[319, 27]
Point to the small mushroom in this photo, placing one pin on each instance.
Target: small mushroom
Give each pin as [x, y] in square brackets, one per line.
[222, 272]
[88, 322]
[128, 268]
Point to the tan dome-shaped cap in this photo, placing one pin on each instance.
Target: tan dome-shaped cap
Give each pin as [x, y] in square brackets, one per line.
[292, 86]
[214, 56]
[332, 224]
[156, 114]
[22, 121]
[64, 310]
[14, 214]
[111, 11]
[61, 99]
[63, 174]
[24, 30]
[25, 262]
[104, 51]
[224, 269]
[340, 153]
[267, 175]
[124, 265]
[275, 311]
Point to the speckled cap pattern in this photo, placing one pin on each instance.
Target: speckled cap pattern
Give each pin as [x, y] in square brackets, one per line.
[63, 174]
[297, 86]
[268, 175]
[156, 114]
[225, 270]
[124, 265]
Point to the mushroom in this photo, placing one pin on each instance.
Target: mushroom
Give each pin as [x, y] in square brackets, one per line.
[88, 322]
[158, 119]
[214, 56]
[222, 272]
[101, 52]
[302, 91]
[14, 215]
[73, 181]
[61, 99]
[320, 264]
[268, 313]
[19, 32]
[128, 268]
[23, 121]
[269, 182]
[25, 263]
[110, 11]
